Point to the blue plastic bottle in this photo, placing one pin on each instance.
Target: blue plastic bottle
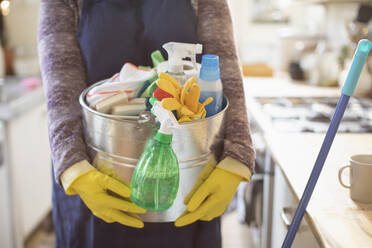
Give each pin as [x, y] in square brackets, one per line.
[210, 83]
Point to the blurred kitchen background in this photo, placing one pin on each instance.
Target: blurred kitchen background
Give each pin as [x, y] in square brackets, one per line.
[294, 55]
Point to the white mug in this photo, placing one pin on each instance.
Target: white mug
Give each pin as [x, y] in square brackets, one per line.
[360, 177]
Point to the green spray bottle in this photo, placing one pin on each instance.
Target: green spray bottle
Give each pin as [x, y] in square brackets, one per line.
[155, 180]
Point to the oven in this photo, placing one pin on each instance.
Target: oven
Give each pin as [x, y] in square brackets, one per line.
[255, 199]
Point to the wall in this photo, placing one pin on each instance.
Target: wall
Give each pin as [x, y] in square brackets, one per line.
[21, 34]
[21, 23]
[256, 42]
[336, 17]
[260, 42]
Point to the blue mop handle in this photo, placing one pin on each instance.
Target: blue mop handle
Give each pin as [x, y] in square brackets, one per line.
[359, 59]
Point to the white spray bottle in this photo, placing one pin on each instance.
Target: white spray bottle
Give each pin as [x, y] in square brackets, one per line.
[175, 66]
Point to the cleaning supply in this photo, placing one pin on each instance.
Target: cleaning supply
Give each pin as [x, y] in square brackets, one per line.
[128, 109]
[210, 83]
[188, 68]
[98, 94]
[136, 101]
[155, 179]
[119, 105]
[144, 86]
[161, 94]
[31, 83]
[214, 191]
[149, 90]
[148, 104]
[184, 100]
[93, 187]
[359, 60]
[169, 85]
[157, 58]
[152, 101]
[134, 75]
[191, 97]
[175, 65]
[130, 79]
[105, 105]
[146, 68]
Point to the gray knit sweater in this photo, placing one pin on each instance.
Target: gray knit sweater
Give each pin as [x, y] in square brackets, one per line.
[64, 78]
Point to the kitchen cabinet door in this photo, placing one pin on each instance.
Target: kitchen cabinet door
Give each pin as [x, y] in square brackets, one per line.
[30, 169]
[284, 207]
[5, 210]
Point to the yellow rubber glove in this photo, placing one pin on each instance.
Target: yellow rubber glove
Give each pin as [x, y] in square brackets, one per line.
[169, 84]
[185, 100]
[214, 191]
[102, 194]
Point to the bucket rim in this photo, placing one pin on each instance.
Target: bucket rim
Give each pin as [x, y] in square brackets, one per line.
[132, 119]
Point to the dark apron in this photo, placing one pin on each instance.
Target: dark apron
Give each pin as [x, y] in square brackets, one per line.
[112, 32]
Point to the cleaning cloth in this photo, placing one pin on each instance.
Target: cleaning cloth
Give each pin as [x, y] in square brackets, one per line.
[135, 76]
[161, 94]
[129, 80]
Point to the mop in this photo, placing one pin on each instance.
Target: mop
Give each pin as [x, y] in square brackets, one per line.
[352, 78]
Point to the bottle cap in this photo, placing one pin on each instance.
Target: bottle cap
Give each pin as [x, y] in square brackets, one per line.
[153, 100]
[164, 138]
[210, 70]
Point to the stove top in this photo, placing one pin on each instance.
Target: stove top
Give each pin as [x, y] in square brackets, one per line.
[315, 114]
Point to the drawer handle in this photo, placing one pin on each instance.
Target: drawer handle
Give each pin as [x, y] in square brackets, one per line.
[286, 215]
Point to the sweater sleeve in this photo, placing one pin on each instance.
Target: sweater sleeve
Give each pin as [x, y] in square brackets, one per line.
[64, 79]
[214, 27]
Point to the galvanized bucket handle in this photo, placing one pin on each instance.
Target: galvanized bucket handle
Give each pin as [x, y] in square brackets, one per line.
[142, 118]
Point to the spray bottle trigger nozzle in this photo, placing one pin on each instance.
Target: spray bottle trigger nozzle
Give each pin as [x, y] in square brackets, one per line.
[177, 51]
[166, 118]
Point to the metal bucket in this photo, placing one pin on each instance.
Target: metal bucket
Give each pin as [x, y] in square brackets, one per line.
[120, 140]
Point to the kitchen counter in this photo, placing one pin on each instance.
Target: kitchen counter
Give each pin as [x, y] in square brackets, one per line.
[334, 217]
[16, 99]
[282, 87]
[24, 151]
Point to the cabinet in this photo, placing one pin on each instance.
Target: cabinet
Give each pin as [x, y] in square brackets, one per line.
[284, 206]
[30, 169]
[5, 208]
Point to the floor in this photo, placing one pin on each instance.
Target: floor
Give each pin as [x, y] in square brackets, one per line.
[234, 235]
[41, 239]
